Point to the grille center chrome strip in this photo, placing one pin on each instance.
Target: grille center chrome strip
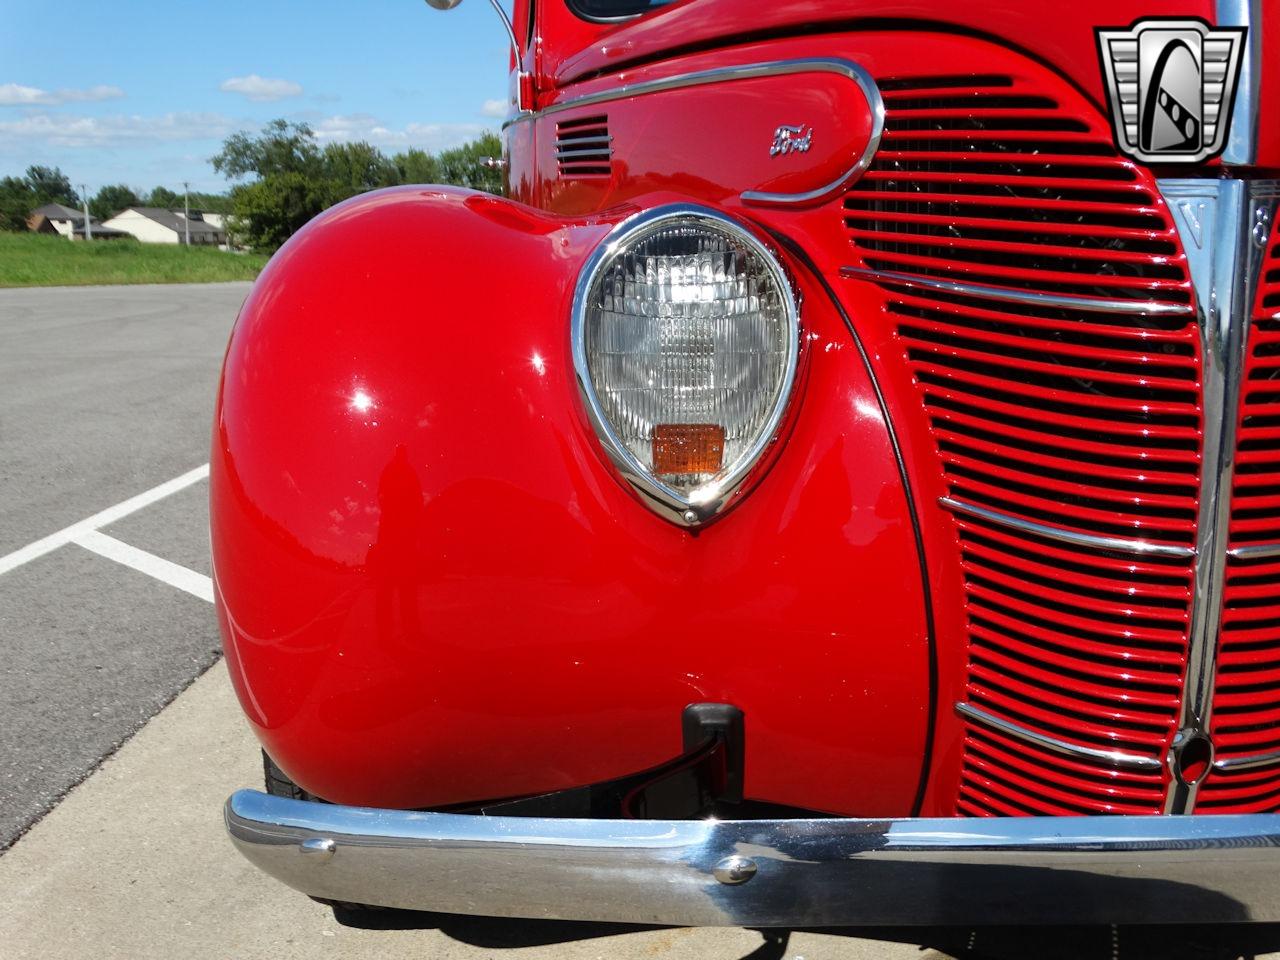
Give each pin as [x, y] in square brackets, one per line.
[1248, 763]
[1214, 220]
[1118, 544]
[1255, 551]
[1064, 301]
[1119, 758]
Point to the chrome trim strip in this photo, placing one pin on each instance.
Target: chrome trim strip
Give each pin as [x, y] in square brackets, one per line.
[1145, 308]
[603, 152]
[1248, 763]
[1214, 220]
[808, 873]
[1119, 758]
[712, 498]
[1242, 138]
[1255, 551]
[578, 141]
[845, 68]
[1093, 541]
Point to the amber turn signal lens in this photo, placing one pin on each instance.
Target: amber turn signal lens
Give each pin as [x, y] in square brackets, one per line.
[683, 449]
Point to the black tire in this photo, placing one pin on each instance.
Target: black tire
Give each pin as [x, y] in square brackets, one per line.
[279, 785]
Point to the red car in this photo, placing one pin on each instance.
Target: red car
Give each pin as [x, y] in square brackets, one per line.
[845, 469]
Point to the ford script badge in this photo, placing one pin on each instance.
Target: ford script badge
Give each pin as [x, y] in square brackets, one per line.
[791, 139]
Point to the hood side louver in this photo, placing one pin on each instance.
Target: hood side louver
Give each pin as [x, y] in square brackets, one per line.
[584, 147]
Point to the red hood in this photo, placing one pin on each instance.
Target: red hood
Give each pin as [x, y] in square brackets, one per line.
[1060, 34]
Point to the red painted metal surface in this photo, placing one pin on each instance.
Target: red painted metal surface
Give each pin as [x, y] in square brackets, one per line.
[434, 590]
[1246, 704]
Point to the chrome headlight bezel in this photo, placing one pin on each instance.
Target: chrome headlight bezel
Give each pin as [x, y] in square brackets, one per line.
[711, 499]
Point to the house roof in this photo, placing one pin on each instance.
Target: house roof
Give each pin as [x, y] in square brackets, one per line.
[58, 211]
[174, 221]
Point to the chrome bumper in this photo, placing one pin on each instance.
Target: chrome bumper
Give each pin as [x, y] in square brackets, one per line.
[791, 873]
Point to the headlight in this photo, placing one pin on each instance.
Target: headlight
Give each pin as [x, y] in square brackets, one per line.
[685, 338]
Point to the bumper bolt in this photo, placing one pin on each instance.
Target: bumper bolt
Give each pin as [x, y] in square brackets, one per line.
[732, 871]
[319, 848]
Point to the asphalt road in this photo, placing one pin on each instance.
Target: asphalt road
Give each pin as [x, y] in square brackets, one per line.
[106, 634]
[104, 393]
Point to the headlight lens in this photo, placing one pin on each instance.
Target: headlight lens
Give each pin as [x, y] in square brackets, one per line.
[686, 338]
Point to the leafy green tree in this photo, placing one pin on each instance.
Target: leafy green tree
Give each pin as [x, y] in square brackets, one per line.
[417, 166]
[16, 203]
[282, 147]
[289, 186]
[353, 168]
[272, 209]
[210, 202]
[286, 178]
[111, 199]
[50, 185]
[164, 197]
[462, 165]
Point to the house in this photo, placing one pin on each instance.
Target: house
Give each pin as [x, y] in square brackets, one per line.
[68, 222]
[158, 225]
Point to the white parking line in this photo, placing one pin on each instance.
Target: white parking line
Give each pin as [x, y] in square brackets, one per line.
[66, 535]
[196, 584]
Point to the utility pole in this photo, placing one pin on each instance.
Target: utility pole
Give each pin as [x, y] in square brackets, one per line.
[186, 212]
[84, 200]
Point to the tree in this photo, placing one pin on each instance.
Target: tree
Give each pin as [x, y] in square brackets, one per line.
[352, 168]
[164, 197]
[462, 165]
[282, 147]
[50, 185]
[16, 203]
[417, 166]
[111, 199]
[289, 188]
[286, 178]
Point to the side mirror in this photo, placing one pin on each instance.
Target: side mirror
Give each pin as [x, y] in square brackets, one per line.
[524, 83]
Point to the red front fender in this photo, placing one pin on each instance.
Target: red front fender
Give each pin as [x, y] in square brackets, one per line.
[434, 590]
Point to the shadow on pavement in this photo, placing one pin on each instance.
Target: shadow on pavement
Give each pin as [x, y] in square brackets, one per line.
[1187, 942]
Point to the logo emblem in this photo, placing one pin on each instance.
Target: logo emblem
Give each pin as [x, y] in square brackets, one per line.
[1172, 84]
[791, 139]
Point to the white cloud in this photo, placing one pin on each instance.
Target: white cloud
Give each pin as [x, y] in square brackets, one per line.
[428, 136]
[112, 130]
[19, 95]
[261, 89]
[494, 108]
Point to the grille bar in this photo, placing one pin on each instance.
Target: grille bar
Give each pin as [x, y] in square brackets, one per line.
[1017, 295]
[1065, 535]
[1117, 757]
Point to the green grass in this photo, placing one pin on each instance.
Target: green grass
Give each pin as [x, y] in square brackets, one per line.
[40, 260]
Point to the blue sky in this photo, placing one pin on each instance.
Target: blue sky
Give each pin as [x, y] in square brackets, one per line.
[142, 92]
